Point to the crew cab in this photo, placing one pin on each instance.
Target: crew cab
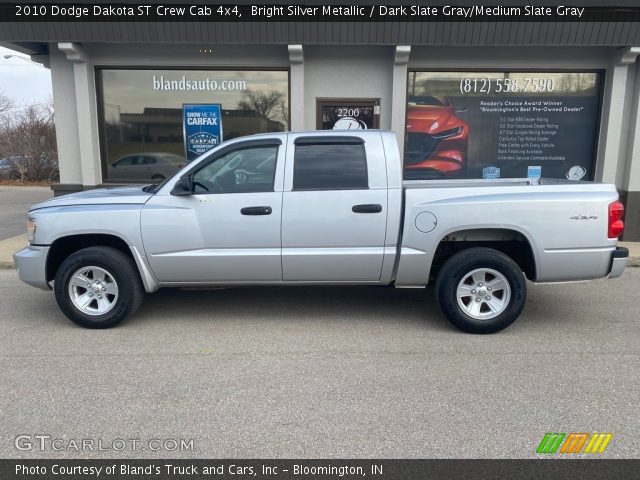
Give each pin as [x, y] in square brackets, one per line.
[320, 208]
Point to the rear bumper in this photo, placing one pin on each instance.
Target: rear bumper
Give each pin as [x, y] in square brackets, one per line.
[619, 258]
[31, 264]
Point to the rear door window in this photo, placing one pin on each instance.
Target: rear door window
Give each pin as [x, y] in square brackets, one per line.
[327, 166]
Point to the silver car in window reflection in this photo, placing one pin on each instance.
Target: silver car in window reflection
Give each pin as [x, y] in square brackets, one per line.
[154, 166]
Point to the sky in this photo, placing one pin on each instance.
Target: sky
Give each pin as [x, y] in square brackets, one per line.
[22, 81]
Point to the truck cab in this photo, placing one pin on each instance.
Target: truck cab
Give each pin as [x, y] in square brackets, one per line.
[293, 207]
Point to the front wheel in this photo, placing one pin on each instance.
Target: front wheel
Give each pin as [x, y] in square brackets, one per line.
[98, 287]
[481, 290]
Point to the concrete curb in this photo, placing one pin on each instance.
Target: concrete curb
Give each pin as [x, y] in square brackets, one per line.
[8, 247]
[11, 245]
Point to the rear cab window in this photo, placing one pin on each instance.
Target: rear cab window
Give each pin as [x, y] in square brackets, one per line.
[336, 163]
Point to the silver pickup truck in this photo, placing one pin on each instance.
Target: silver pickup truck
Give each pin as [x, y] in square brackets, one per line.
[321, 208]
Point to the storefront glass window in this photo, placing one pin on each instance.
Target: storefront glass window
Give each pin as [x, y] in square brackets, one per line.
[142, 118]
[501, 124]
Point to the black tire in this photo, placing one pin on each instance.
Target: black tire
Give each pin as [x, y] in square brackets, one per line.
[458, 268]
[121, 270]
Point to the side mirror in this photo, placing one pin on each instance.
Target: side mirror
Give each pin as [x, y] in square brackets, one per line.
[182, 187]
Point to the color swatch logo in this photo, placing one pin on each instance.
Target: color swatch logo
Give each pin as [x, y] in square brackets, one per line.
[574, 442]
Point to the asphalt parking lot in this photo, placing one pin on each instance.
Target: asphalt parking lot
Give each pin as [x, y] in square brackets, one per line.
[15, 203]
[322, 372]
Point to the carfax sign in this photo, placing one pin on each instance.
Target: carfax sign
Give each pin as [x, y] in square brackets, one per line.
[202, 127]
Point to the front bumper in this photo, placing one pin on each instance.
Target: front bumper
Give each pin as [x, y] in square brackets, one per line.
[619, 259]
[31, 264]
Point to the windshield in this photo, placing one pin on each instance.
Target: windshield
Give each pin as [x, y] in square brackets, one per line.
[154, 187]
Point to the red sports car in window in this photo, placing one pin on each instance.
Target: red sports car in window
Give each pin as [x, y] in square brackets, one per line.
[436, 141]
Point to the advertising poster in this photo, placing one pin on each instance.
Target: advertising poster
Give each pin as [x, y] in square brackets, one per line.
[202, 124]
[501, 125]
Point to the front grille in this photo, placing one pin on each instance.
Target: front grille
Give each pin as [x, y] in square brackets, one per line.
[418, 147]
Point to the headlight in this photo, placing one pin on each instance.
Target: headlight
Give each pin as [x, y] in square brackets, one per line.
[31, 229]
[447, 133]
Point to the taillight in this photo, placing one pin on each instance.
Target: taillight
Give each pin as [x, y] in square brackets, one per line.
[616, 226]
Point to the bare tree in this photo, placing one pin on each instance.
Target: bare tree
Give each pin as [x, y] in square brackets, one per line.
[5, 104]
[263, 103]
[28, 137]
[284, 112]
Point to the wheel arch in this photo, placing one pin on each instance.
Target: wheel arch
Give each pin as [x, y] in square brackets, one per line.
[510, 241]
[63, 247]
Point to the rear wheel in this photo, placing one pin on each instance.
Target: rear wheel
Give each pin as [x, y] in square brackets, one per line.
[98, 287]
[481, 290]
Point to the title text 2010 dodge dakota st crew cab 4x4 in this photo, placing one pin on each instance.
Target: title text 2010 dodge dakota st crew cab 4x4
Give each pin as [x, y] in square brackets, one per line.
[321, 208]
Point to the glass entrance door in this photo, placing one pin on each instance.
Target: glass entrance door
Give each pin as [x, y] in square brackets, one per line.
[348, 114]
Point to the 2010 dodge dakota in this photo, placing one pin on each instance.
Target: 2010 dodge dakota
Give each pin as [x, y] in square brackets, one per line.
[321, 208]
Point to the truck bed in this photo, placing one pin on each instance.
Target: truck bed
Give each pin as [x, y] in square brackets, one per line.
[566, 232]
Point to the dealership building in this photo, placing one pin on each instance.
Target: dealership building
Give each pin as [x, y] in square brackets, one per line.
[466, 100]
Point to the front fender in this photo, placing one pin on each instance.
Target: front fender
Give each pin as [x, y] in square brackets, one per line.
[122, 221]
